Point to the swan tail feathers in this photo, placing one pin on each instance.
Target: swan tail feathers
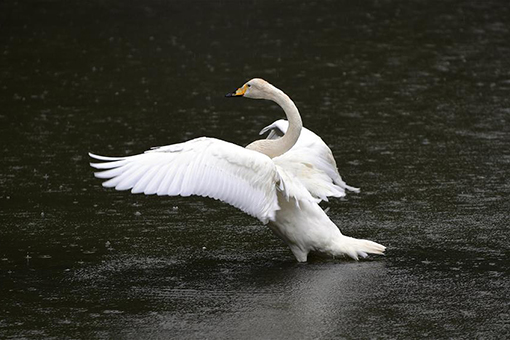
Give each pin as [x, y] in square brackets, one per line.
[356, 248]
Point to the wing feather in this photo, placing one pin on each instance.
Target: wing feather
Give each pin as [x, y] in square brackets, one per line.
[204, 166]
[144, 181]
[130, 180]
[312, 161]
[154, 182]
[109, 165]
[111, 173]
[113, 182]
[169, 176]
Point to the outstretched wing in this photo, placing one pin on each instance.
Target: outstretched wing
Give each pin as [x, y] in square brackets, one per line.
[205, 167]
[312, 161]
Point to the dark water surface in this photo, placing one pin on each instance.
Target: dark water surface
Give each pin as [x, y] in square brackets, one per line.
[413, 97]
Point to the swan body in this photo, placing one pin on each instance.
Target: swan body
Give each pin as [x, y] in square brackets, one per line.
[280, 180]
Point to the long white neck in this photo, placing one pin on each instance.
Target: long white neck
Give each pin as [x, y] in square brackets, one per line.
[290, 138]
[277, 147]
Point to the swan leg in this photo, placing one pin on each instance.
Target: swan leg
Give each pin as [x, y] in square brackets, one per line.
[301, 255]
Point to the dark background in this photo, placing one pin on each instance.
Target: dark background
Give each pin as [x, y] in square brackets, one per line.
[413, 97]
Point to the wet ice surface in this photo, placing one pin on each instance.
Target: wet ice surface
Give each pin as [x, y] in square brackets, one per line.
[412, 98]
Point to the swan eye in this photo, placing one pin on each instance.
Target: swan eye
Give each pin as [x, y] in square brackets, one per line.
[248, 85]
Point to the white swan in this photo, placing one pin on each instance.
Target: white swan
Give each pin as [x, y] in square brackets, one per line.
[279, 180]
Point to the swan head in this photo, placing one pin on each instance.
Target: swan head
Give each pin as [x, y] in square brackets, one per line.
[256, 88]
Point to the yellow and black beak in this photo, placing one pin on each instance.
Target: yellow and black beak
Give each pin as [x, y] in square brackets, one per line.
[239, 92]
